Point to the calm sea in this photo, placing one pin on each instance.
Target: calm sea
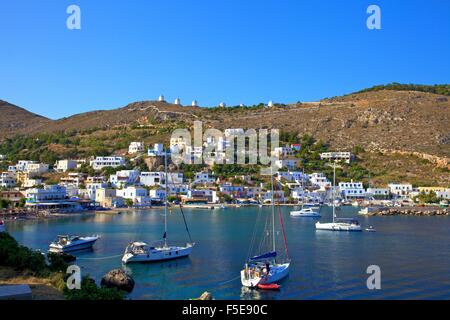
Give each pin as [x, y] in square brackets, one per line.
[412, 252]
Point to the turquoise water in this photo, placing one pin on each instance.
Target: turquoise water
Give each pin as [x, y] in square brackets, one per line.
[412, 252]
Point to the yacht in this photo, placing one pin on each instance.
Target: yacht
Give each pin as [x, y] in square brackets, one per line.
[306, 212]
[367, 210]
[341, 224]
[68, 243]
[267, 267]
[161, 250]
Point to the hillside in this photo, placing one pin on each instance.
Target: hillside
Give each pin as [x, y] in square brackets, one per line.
[399, 130]
[16, 120]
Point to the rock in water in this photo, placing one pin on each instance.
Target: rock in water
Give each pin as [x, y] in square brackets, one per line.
[118, 279]
[206, 296]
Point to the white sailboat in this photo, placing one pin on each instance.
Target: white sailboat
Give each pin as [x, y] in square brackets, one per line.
[161, 250]
[341, 224]
[267, 268]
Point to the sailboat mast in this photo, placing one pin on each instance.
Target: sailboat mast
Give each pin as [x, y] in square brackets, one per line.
[165, 196]
[273, 212]
[334, 190]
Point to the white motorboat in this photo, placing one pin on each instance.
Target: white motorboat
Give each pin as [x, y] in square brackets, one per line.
[139, 251]
[371, 229]
[267, 267]
[72, 243]
[366, 211]
[342, 224]
[306, 213]
[2, 226]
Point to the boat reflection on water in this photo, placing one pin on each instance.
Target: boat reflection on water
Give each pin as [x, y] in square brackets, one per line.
[160, 268]
[256, 294]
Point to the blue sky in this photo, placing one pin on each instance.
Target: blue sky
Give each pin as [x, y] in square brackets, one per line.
[223, 50]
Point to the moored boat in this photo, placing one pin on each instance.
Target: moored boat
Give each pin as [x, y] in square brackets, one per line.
[139, 251]
[267, 267]
[68, 243]
[306, 213]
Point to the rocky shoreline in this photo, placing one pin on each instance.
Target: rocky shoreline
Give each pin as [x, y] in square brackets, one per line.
[412, 211]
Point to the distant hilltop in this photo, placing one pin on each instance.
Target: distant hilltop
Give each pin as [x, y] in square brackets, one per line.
[395, 117]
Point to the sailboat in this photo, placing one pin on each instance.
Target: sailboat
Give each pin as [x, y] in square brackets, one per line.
[338, 224]
[161, 250]
[267, 268]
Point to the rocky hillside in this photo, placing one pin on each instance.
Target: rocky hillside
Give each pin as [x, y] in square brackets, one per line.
[16, 120]
[387, 121]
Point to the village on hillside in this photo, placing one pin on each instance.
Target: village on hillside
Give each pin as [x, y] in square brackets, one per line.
[116, 181]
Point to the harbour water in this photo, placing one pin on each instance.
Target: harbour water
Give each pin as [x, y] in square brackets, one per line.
[412, 252]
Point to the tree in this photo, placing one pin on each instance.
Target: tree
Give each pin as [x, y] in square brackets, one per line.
[5, 203]
[129, 202]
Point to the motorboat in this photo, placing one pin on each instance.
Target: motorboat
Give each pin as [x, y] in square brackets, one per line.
[371, 229]
[340, 224]
[306, 213]
[68, 243]
[366, 211]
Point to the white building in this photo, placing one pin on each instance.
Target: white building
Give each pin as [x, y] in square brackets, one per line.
[91, 190]
[157, 151]
[138, 195]
[103, 162]
[293, 176]
[35, 169]
[337, 156]
[319, 180]
[124, 177]
[7, 180]
[195, 194]
[72, 179]
[31, 182]
[283, 152]
[51, 193]
[66, 165]
[151, 179]
[12, 169]
[23, 164]
[278, 196]
[157, 194]
[135, 147]
[352, 190]
[203, 178]
[401, 190]
[378, 192]
[290, 164]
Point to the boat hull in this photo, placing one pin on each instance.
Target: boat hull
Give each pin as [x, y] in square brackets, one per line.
[338, 227]
[277, 273]
[299, 214]
[158, 254]
[87, 244]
